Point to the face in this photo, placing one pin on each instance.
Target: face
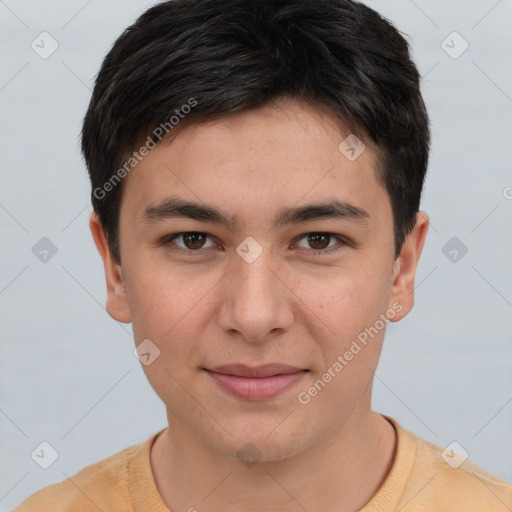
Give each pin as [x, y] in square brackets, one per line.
[282, 269]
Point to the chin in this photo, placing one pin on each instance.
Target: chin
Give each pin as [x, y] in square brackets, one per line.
[262, 443]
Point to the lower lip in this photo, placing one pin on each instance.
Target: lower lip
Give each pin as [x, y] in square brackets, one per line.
[256, 388]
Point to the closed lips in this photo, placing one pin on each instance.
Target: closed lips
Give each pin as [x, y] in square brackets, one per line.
[266, 370]
[257, 383]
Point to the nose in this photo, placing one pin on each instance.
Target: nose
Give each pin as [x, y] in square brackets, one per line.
[257, 302]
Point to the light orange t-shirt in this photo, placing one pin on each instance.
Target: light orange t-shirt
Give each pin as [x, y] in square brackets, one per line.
[420, 480]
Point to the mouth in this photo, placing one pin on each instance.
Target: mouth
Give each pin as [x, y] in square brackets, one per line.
[256, 383]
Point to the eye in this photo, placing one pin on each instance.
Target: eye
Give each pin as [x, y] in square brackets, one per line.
[193, 241]
[319, 242]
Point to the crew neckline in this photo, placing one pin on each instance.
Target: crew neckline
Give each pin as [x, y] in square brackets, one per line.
[145, 496]
[392, 489]
[141, 482]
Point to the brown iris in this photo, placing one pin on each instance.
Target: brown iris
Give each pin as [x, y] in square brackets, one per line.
[318, 238]
[193, 240]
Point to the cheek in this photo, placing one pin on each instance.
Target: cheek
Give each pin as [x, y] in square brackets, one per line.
[173, 310]
[350, 345]
[169, 312]
[161, 303]
[343, 302]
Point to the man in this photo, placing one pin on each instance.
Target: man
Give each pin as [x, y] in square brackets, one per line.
[256, 173]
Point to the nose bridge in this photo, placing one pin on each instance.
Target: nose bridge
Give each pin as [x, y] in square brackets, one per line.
[255, 282]
[256, 301]
[256, 276]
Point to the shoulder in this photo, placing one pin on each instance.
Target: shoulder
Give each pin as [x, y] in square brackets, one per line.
[445, 481]
[100, 486]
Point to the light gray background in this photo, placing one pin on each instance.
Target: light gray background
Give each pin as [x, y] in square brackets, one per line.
[68, 374]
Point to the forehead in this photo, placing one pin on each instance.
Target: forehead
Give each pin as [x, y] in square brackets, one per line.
[254, 163]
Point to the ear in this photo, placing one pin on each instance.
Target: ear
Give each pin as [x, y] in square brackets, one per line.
[117, 303]
[404, 270]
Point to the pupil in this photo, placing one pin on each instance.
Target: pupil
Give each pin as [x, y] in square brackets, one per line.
[317, 238]
[191, 237]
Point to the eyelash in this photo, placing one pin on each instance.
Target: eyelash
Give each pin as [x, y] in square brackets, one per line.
[315, 252]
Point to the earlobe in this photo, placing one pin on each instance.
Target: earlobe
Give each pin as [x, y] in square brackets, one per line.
[404, 270]
[117, 302]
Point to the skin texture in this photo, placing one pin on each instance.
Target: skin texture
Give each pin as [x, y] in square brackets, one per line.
[291, 305]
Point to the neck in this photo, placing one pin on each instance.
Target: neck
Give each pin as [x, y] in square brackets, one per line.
[341, 472]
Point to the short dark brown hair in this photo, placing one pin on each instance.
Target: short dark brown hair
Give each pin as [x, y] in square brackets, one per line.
[197, 60]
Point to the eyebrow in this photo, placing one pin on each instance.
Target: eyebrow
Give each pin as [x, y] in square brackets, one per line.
[175, 207]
